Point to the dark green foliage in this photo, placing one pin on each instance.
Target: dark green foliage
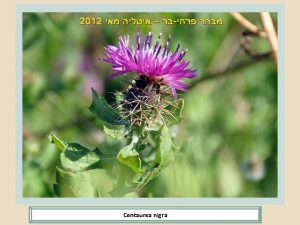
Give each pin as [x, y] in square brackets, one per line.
[104, 112]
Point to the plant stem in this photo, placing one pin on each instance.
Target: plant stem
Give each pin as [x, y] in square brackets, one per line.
[229, 71]
[270, 33]
[247, 24]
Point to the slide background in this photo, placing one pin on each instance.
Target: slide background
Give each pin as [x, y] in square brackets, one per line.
[11, 213]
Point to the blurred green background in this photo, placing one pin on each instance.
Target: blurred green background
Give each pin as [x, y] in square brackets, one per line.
[229, 132]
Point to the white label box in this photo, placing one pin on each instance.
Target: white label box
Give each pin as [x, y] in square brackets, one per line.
[159, 214]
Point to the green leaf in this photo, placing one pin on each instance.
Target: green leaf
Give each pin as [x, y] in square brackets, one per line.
[70, 184]
[166, 148]
[175, 112]
[130, 157]
[77, 158]
[150, 173]
[103, 181]
[105, 113]
[59, 143]
[117, 134]
[165, 153]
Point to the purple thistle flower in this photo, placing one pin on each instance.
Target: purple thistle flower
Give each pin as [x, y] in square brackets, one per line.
[153, 61]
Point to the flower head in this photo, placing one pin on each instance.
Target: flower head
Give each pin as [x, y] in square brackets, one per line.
[153, 61]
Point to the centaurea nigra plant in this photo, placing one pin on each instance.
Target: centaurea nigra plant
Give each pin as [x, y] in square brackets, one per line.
[142, 115]
[159, 72]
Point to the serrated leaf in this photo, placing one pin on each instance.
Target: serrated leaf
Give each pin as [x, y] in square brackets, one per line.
[117, 134]
[70, 184]
[175, 112]
[105, 113]
[76, 158]
[130, 157]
